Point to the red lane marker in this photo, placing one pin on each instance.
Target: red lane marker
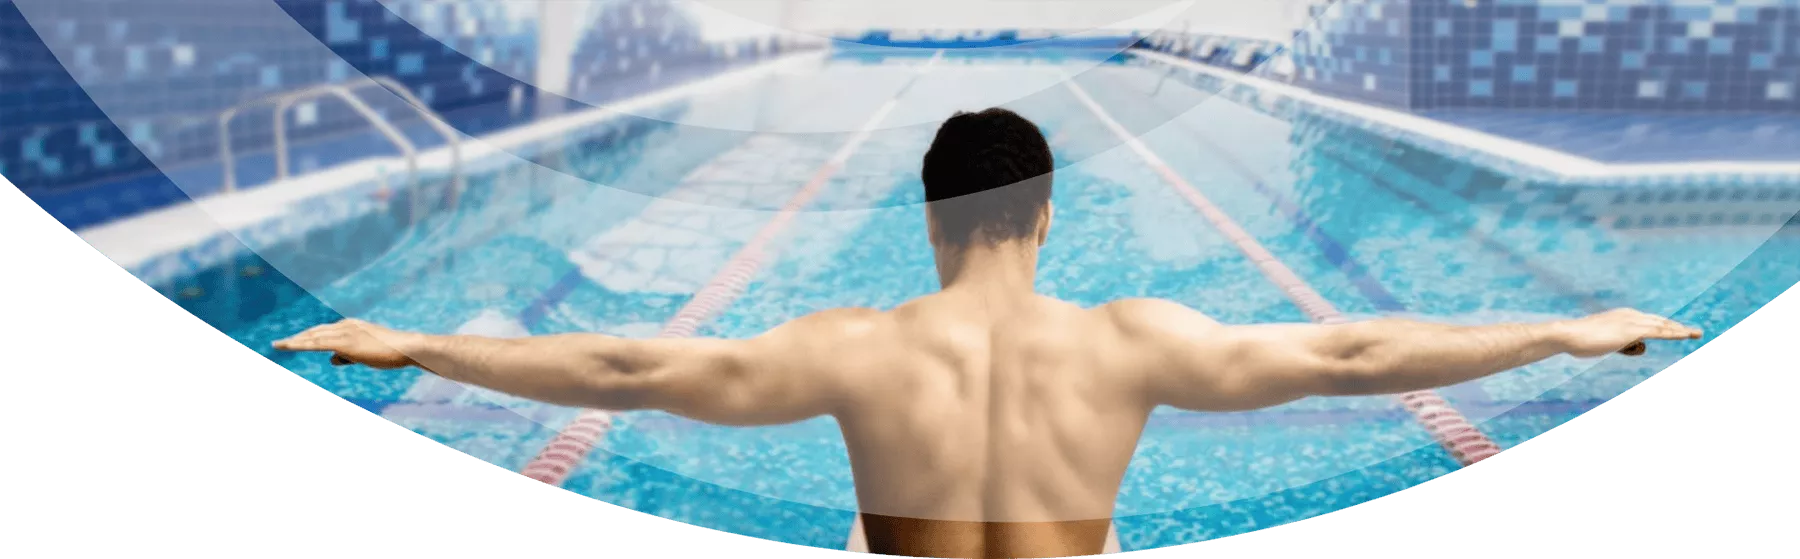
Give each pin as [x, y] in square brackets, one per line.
[1448, 426]
[559, 458]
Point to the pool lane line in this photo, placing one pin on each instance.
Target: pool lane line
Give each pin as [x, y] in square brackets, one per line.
[430, 390]
[1449, 427]
[1371, 287]
[1333, 249]
[428, 394]
[1589, 301]
[558, 459]
[536, 311]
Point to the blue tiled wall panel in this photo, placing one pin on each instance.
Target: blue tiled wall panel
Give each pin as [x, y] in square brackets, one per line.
[629, 39]
[50, 130]
[164, 69]
[1724, 55]
[1358, 49]
[630, 46]
[452, 53]
[1655, 55]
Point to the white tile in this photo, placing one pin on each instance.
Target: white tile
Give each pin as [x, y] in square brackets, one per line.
[182, 55]
[306, 114]
[1781, 91]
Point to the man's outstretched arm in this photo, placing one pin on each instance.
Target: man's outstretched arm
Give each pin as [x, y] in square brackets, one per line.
[778, 377]
[1194, 363]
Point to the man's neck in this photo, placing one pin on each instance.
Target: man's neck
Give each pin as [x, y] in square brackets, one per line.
[989, 269]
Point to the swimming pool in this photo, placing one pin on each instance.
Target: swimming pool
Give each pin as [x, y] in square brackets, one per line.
[615, 231]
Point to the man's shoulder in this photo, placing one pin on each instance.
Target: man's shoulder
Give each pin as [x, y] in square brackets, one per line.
[1143, 315]
[1138, 309]
[842, 323]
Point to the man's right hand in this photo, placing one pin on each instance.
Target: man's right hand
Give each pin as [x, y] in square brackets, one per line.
[354, 341]
[1619, 331]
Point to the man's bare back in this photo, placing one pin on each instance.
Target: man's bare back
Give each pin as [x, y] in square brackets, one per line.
[998, 425]
[987, 420]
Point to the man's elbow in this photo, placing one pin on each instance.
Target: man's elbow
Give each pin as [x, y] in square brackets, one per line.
[1357, 374]
[696, 380]
[620, 392]
[620, 399]
[1354, 359]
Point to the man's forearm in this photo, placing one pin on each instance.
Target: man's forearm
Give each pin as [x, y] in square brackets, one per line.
[1394, 356]
[568, 369]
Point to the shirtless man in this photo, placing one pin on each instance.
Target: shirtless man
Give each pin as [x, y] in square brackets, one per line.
[987, 420]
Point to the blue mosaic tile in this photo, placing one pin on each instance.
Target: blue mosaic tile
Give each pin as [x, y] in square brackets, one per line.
[164, 69]
[1381, 26]
[1659, 55]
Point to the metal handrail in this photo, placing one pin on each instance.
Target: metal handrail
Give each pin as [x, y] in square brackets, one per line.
[285, 101]
[381, 124]
[451, 137]
[433, 119]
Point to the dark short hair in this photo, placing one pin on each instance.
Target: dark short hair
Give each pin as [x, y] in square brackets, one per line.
[988, 172]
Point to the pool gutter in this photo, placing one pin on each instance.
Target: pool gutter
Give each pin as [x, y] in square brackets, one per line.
[1513, 157]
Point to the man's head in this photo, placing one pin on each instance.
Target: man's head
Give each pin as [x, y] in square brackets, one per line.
[987, 181]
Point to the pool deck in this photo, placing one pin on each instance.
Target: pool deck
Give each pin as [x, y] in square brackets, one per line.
[1625, 138]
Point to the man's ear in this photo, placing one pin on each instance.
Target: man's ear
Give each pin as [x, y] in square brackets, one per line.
[931, 229]
[1048, 214]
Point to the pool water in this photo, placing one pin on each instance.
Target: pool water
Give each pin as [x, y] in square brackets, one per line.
[614, 233]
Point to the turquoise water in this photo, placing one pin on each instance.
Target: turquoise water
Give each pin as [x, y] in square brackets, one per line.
[613, 234]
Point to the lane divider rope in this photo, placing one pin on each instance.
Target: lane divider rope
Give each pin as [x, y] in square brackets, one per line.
[576, 441]
[1466, 443]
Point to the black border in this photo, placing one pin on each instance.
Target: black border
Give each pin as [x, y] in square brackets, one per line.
[222, 452]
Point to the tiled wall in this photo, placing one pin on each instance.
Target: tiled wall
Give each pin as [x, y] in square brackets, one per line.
[1359, 49]
[1656, 55]
[451, 53]
[51, 132]
[164, 69]
[1576, 54]
[620, 55]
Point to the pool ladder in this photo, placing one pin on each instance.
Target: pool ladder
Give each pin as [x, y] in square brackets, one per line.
[347, 93]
